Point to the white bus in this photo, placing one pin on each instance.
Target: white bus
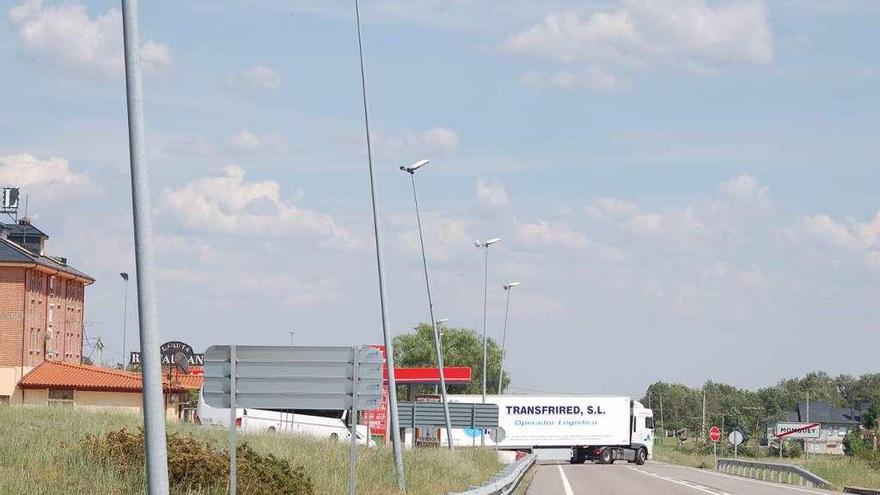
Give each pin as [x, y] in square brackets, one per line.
[330, 425]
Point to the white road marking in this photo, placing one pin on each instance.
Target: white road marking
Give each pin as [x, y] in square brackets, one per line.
[760, 482]
[565, 484]
[688, 484]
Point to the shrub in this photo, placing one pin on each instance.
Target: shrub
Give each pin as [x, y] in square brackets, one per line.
[195, 465]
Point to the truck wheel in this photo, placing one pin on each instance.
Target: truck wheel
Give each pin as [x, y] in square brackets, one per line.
[607, 457]
[641, 456]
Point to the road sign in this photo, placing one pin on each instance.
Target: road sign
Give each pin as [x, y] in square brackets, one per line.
[288, 377]
[714, 434]
[798, 430]
[735, 437]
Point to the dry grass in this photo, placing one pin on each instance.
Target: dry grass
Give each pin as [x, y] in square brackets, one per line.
[40, 453]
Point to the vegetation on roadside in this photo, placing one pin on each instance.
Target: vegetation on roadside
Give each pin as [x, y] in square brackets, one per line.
[195, 465]
[749, 410]
[838, 470]
[42, 451]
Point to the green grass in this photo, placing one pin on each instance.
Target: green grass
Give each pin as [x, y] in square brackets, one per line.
[838, 470]
[40, 453]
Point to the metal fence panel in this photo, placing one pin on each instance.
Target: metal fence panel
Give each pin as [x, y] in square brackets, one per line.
[462, 415]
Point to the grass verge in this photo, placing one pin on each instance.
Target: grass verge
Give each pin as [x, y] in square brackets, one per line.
[41, 453]
[838, 470]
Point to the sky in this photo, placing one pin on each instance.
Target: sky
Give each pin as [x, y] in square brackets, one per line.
[686, 189]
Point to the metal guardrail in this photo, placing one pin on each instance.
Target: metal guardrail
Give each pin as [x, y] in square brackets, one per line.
[771, 471]
[860, 491]
[505, 482]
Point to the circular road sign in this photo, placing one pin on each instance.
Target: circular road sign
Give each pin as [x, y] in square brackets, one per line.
[735, 437]
[714, 434]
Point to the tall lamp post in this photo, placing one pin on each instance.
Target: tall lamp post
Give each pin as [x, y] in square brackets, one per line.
[507, 288]
[485, 245]
[124, 276]
[411, 170]
[380, 268]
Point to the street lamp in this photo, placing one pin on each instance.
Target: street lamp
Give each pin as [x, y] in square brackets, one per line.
[507, 288]
[485, 245]
[411, 170]
[124, 276]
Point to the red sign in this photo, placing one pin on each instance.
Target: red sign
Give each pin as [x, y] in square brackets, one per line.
[454, 375]
[377, 419]
[714, 434]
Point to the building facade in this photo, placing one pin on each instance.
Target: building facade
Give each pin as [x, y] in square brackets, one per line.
[42, 306]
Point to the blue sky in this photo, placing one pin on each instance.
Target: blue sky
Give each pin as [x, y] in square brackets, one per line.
[682, 186]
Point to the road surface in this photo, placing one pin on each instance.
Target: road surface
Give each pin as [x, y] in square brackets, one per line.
[651, 479]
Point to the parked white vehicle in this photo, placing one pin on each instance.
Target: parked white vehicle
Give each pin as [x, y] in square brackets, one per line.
[594, 428]
[331, 425]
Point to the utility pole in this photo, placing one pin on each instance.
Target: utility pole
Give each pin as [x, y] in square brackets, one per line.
[703, 427]
[662, 425]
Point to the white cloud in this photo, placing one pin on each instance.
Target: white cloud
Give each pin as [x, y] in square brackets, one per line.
[433, 140]
[543, 233]
[594, 78]
[247, 142]
[492, 194]
[689, 34]
[70, 38]
[258, 76]
[51, 177]
[230, 204]
[611, 208]
[740, 201]
[444, 236]
[745, 189]
[836, 242]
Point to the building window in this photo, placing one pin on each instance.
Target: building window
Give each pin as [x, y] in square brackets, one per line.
[60, 397]
[4, 400]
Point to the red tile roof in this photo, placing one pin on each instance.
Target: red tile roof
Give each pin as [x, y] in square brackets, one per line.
[57, 374]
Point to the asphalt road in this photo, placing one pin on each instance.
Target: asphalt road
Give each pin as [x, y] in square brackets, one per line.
[653, 479]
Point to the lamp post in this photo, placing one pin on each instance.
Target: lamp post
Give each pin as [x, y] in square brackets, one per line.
[507, 288]
[291, 337]
[411, 170]
[485, 245]
[124, 276]
[380, 268]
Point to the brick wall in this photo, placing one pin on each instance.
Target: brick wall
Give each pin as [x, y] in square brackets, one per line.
[36, 307]
[41, 317]
[12, 310]
[70, 300]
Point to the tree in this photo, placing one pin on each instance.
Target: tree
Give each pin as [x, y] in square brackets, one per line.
[461, 347]
[869, 418]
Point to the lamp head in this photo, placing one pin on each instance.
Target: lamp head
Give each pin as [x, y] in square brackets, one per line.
[511, 285]
[415, 166]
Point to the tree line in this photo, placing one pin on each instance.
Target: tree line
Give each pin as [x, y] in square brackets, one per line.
[750, 410]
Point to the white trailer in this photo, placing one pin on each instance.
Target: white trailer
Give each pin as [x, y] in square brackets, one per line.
[593, 428]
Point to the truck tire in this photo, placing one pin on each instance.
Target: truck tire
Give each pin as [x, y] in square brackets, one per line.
[607, 457]
[641, 456]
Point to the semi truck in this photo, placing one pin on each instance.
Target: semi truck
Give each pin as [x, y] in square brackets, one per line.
[600, 429]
